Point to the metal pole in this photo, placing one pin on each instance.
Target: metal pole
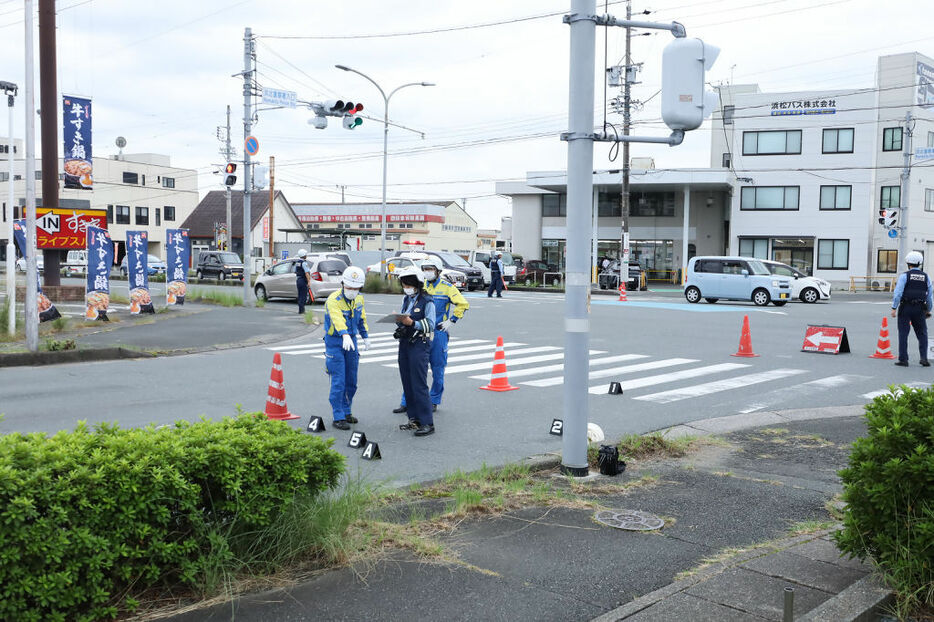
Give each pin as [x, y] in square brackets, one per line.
[382, 220]
[594, 260]
[10, 244]
[788, 612]
[685, 231]
[624, 195]
[247, 177]
[48, 103]
[580, 188]
[227, 188]
[906, 175]
[272, 204]
[31, 309]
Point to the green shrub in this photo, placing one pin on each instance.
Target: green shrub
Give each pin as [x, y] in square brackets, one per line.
[376, 285]
[91, 517]
[889, 491]
[56, 345]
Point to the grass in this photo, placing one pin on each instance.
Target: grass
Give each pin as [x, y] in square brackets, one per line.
[260, 302]
[649, 446]
[376, 285]
[225, 299]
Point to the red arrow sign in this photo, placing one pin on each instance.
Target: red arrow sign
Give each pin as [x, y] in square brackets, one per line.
[825, 339]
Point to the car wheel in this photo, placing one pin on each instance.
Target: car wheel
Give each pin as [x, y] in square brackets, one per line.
[761, 297]
[810, 295]
[221, 275]
[712, 300]
[692, 294]
[199, 274]
[260, 292]
[470, 289]
[779, 303]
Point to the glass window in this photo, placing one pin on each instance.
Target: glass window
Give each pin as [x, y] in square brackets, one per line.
[609, 204]
[168, 212]
[772, 143]
[754, 247]
[727, 160]
[168, 182]
[891, 197]
[769, 198]
[123, 214]
[833, 254]
[929, 199]
[795, 252]
[158, 217]
[887, 260]
[892, 139]
[110, 214]
[130, 178]
[835, 197]
[142, 215]
[780, 270]
[554, 205]
[283, 268]
[838, 141]
[930, 139]
[728, 112]
[652, 204]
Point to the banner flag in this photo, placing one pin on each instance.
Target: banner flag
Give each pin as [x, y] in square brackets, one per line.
[76, 131]
[178, 246]
[100, 261]
[47, 310]
[137, 272]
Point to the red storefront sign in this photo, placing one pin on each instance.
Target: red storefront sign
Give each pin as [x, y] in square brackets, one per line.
[66, 228]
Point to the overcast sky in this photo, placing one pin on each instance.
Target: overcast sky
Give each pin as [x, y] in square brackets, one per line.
[159, 74]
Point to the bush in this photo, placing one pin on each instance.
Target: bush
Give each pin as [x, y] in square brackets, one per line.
[889, 491]
[376, 285]
[92, 516]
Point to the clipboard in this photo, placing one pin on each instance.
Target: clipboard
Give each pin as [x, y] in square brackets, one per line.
[392, 318]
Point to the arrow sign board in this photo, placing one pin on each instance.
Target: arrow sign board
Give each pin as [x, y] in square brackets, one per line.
[50, 223]
[826, 340]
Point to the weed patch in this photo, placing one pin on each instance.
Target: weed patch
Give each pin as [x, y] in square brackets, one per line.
[225, 299]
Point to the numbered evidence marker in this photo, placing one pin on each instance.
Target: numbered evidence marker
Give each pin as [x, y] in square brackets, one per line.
[557, 427]
[371, 451]
[615, 389]
[357, 440]
[315, 424]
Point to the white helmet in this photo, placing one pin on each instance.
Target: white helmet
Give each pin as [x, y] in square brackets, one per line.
[434, 262]
[499, 253]
[353, 278]
[914, 258]
[302, 252]
[411, 271]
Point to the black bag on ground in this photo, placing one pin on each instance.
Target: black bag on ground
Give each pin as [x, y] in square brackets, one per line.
[609, 462]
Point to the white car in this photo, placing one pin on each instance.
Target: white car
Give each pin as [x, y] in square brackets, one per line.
[40, 263]
[803, 287]
[407, 260]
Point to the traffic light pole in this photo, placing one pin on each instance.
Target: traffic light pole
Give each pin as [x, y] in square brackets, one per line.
[247, 176]
[227, 188]
[10, 89]
[906, 186]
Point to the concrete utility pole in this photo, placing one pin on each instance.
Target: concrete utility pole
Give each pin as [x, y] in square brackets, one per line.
[272, 198]
[49, 105]
[226, 187]
[624, 195]
[10, 89]
[31, 308]
[247, 176]
[906, 186]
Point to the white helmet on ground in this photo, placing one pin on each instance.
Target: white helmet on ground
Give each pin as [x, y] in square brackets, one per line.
[914, 258]
[302, 252]
[411, 271]
[353, 278]
[432, 262]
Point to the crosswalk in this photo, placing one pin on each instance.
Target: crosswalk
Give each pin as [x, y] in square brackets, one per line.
[642, 377]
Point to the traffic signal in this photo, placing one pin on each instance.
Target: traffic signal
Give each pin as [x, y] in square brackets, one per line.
[230, 174]
[891, 218]
[685, 101]
[352, 121]
[260, 176]
[882, 216]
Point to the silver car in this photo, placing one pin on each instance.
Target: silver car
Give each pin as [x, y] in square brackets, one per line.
[279, 280]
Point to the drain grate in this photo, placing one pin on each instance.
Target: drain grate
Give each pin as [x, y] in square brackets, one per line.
[630, 520]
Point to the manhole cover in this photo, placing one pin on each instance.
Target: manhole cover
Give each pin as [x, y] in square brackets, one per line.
[630, 520]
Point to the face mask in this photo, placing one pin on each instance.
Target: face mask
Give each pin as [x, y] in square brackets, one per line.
[350, 294]
[408, 290]
[430, 275]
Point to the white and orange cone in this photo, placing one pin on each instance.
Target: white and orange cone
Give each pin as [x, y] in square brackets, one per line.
[276, 408]
[883, 347]
[498, 379]
[622, 293]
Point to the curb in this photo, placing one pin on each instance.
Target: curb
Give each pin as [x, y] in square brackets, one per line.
[861, 602]
[69, 356]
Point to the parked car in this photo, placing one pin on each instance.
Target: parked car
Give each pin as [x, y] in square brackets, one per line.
[453, 261]
[409, 259]
[735, 278]
[340, 255]
[537, 271]
[154, 265]
[40, 263]
[609, 278]
[481, 259]
[76, 263]
[803, 287]
[219, 265]
[279, 280]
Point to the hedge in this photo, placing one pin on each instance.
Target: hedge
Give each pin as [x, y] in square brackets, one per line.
[90, 516]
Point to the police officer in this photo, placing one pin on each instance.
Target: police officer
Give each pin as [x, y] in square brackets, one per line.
[344, 319]
[302, 276]
[496, 275]
[912, 303]
[414, 333]
[450, 306]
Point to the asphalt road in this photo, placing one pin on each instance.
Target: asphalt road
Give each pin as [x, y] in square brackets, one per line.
[674, 360]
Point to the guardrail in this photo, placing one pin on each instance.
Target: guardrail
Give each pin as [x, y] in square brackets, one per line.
[873, 283]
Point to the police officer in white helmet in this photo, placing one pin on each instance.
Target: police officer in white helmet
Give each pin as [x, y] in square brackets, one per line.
[344, 320]
[302, 277]
[912, 303]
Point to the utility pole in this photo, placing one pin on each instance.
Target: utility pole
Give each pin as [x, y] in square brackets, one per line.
[229, 155]
[10, 89]
[247, 172]
[624, 195]
[905, 178]
[49, 105]
[31, 308]
[272, 198]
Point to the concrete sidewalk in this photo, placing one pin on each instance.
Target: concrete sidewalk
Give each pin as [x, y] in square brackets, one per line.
[745, 517]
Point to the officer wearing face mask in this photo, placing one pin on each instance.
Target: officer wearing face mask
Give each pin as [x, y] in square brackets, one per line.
[450, 307]
[414, 332]
[912, 303]
[344, 319]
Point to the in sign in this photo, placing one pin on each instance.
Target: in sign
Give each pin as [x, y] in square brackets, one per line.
[251, 145]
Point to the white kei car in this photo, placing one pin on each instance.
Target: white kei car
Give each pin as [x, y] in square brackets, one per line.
[803, 287]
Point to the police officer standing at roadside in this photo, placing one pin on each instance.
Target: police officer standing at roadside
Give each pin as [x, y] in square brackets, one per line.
[912, 302]
[496, 275]
[302, 276]
[414, 333]
[344, 319]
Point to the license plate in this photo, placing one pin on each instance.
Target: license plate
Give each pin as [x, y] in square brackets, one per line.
[783, 295]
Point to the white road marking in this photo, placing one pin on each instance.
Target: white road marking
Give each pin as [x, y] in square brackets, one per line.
[834, 381]
[379, 348]
[912, 385]
[393, 357]
[552, 368]
[456, 369]
[673, 376]
[486, 355]
[699, 390]
[604, 373]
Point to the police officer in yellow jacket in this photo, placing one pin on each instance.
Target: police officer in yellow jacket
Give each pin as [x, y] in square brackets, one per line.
[450, 306]
[344, 319]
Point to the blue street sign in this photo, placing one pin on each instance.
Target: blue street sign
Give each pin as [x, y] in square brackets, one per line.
[893, 233]
[251, 145]
[285, 254]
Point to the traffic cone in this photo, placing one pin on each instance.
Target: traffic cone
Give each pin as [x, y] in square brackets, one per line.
[745, 341]
[883, 347]
[276, 408]
[498, 380]
[622, 293]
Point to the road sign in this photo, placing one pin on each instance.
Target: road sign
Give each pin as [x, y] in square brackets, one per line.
[251, 145]
[66, 228]
[278, 97]
[893, 233]
[825, 339]
[50, 223]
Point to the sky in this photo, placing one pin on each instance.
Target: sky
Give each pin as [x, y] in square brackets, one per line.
[161, 75]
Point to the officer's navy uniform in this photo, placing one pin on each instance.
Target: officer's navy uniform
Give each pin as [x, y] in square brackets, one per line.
[496, 278]
[301, 281]
[913, 299]
[414, 354]
[343, 317]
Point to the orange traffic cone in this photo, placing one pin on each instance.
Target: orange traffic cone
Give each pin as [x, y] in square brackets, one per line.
[498, 380]
[745, 340]
[276, 408]
[622, 293]
[883, 347]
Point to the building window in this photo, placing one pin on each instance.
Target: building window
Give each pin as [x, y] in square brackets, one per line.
[390, 226]
[835, 197]
[727, 160]
[728, 114]
[142, 215]
[838, 141]
[887, 261]
[168, 182]
[554, 205]
[609, 204]
[130, 178]
[754, 247]
[833, 254]
[4, 176]
[38, 175]
[123, 214]
[769, 198]
[892, 139]
[772, 143]
[891, 197]
[168, 212]
[110, 214]
[652, 204]
[158, 217]
[931, 139]
[142, 180]
[929, 199]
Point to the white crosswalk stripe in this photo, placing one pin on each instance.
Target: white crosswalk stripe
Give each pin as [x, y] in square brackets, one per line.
[673, 376]
[460, 358]
[614, 371]
[912, 385]
[512, 362]
[488, 347]
[707, 388]
[381, 346]
[547, 369]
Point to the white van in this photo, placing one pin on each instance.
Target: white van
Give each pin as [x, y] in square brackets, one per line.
[481, 259]
[76, 263]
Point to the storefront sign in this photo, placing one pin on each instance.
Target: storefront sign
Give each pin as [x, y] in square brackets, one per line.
[804, 106]
[100, 260]
[178, 251]
[47, 310]
[137, 270]
[76, 131]
[67, 228]
[925, 85]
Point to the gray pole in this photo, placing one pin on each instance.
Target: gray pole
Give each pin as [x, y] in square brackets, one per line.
[247, 178]
[624, 195]
[31, 308]
[685, 230]
[906, 174]
[382, 219]
[226, 187]
[580, 187]
[10, 248]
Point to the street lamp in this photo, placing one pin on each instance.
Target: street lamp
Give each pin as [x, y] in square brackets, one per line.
[386, 98]
[10, 89]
